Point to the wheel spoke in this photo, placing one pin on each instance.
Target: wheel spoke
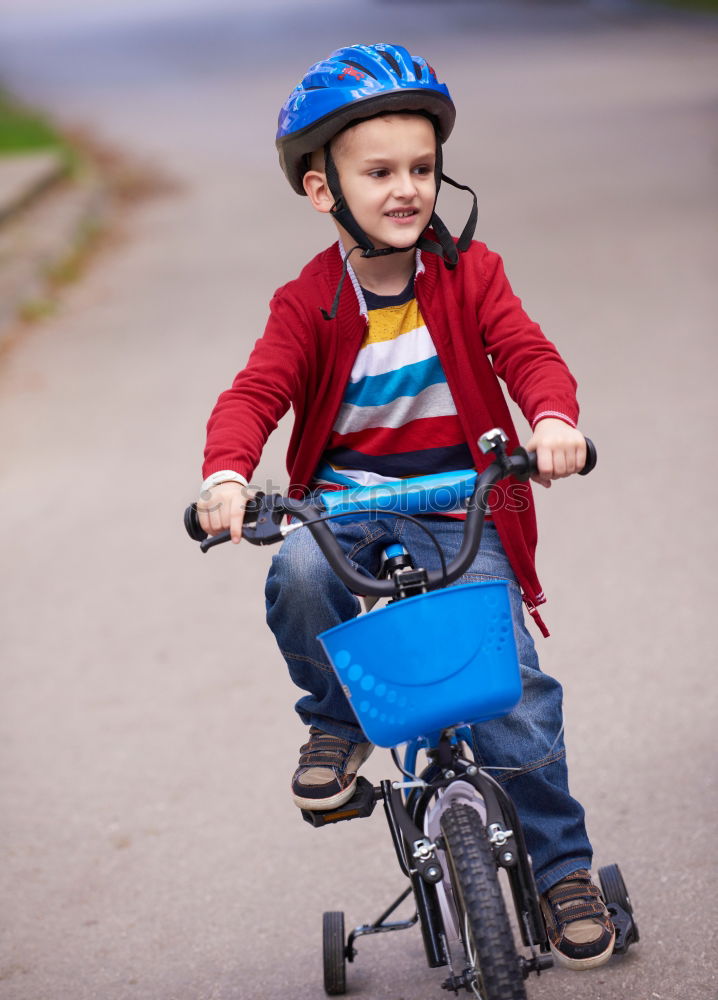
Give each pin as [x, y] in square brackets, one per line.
[471, 955]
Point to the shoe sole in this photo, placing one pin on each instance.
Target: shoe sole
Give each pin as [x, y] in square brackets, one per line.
[577, 964]
[333, 802]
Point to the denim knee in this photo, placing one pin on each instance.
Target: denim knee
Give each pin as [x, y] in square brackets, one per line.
[303, 599]
[298, 569]
[303, 594]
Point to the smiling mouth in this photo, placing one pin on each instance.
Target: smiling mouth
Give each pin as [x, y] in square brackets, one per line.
[404, 213]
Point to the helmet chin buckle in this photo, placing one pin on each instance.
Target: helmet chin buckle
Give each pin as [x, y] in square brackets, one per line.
[373, 252]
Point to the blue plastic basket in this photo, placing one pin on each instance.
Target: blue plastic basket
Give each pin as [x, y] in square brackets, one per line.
[423, 664]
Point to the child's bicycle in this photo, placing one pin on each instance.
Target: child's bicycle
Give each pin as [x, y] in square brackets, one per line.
[452, 825]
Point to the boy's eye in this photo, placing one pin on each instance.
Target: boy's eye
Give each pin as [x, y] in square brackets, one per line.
[422, 170]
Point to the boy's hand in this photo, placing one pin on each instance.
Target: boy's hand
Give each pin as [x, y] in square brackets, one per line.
[560, 448]
[222, 507]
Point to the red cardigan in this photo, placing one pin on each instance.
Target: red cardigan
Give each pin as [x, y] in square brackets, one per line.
[304, 361]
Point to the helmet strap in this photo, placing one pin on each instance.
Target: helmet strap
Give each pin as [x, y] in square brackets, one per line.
[335, 304]
[446, 248]
[341, 212]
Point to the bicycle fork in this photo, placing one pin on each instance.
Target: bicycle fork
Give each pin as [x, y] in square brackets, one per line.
[414, 826]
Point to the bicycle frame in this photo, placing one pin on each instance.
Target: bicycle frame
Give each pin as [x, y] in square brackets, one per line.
[414, 805]
[412, 809]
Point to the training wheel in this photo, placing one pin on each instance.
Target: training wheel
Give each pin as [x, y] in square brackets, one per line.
[334, 951]
[619, 906]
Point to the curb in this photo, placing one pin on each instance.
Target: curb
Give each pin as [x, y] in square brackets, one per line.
[46, 220]
[25, 176]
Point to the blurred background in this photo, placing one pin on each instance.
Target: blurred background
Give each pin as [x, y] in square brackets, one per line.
[150, 846]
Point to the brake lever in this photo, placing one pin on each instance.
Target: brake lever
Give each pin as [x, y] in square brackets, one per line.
[263, 527]
[259, 528]
[210, 541]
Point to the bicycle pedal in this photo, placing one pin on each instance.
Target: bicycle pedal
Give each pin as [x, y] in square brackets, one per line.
[360, 804]
[626, 929]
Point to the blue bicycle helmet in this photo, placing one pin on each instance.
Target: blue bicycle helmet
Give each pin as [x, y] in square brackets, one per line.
[352, 85]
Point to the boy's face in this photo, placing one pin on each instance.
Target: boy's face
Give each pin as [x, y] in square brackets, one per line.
[386, 170]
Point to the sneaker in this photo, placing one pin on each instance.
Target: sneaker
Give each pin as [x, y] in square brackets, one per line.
[327, 774]
[580, 930]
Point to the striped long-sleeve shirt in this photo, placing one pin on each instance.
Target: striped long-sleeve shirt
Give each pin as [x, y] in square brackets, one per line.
[398, 417]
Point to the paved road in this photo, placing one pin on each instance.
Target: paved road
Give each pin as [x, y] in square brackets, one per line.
[150, 850]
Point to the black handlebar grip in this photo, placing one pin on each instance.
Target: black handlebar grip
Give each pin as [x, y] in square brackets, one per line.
[530, 461]
[197, 533]
[192, 525]
[591, 458]
[527, 464]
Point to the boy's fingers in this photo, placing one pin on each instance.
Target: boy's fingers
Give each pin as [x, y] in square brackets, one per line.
[222, 508]
[215, 518]
[203, 521]
[571, 461]
[236, 516]
[576, 458]
[559, 464]
[203, 511]
[209, 508]
[544, 461]
[201, 516]
[557, 457]
[544, 458]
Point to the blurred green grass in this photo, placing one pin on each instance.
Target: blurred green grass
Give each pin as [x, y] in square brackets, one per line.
[24, 129]
[706, 6]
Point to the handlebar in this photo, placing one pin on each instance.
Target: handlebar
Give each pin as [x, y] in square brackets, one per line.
[264, 513]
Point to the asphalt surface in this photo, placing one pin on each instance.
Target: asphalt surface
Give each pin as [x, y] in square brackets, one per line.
[150, 848]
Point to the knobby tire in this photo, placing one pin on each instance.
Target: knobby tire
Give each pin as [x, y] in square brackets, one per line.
[480, 904]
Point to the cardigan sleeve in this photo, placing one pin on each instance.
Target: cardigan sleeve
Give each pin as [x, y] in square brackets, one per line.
[247, 413]
[536, 376]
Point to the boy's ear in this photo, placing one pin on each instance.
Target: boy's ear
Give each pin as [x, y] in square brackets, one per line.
[317, 189]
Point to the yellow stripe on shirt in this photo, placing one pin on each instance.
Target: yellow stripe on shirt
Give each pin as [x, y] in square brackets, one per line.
[391, 321]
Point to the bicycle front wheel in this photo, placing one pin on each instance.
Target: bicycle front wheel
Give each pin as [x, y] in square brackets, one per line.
[494, 972]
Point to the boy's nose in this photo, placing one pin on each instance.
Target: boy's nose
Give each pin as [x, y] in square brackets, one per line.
[405, 186]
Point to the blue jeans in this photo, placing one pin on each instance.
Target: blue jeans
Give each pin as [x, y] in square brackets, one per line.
[523, 750]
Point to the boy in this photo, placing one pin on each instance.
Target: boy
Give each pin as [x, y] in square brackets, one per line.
[392, 380]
